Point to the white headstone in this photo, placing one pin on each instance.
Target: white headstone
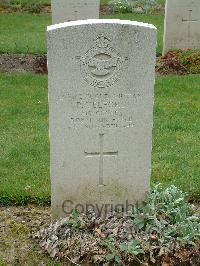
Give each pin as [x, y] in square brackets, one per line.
[101, 83]
[69, 10]
[182, 25]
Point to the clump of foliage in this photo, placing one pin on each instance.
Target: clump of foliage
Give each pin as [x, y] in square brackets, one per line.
[180, 62]
[164, 228]
[167, 220]
[190, 59]
[133, 6]
[120, 6]
[113, 251]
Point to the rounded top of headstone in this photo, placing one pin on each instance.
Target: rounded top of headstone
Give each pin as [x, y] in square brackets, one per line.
[100, 21]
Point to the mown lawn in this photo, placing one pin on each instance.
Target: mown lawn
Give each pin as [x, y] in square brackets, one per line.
[23, 33]
[24, 164]
[26, 33]
[176, 138]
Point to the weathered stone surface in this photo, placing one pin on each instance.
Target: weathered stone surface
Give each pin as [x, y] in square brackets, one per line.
[68, 10]
[101, 79]
[182, 25]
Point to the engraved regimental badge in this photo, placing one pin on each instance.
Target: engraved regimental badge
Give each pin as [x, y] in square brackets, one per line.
[101, 66]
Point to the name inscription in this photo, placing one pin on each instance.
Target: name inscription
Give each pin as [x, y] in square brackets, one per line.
[101, 110]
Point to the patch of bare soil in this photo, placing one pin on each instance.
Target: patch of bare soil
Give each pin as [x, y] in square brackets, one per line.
[32, 8]
[17, 224]
[38, 8]
[22, 63]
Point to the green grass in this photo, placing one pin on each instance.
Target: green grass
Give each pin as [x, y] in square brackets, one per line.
[176, 158]
[23, 33]
[24, 164]
[26, 33]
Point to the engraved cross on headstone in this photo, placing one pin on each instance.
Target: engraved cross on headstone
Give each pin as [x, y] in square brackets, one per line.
[101, 154]
[189, 20]
[190, 17]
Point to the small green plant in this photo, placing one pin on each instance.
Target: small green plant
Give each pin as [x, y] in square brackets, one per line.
[18, 228]
[74, 219]
[3, 263]
[112, 255]
[132, 247]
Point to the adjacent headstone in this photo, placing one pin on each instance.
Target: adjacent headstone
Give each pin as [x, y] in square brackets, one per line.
[101, 80]
[69, 10]
[182, 25]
